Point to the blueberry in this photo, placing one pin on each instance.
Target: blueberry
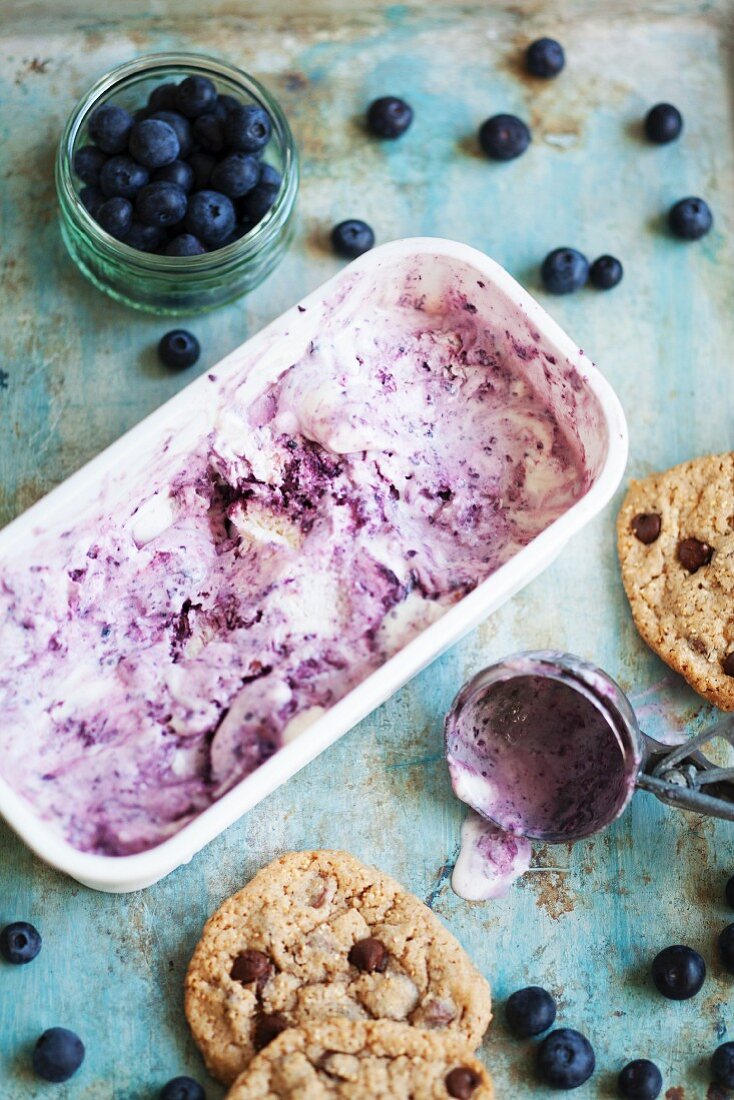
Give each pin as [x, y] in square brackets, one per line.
[109, 128]
[678, 972]
[530, 1011]
[722, 1065]
[92, 198]
[690, 219]
[247, 128]
[195, 96]
[163, 98]
[663, 123]
[184, 245]
[58, 1054]
[88, 163]
[389, 117]
[237, 234]
[182, 128]
[203, 165]
[270, 176]
[225, 103]
[178, 348]
[123, 176]
[606, 272]
[545, 58]
[182, 1088]
[255, 204]
[640, 1080]
[564, 270]
[726, 948]
[504, 137]
[160, 204]
[351, 238]
[210, 216]
[178, 172]
[20, 942]
[236, 175]
[729, 892]
[144, 238]
[208, 131]
[565, 1059]
[116, 216]
[154, 143]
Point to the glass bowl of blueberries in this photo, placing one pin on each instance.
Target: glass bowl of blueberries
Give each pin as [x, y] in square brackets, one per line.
[177, 177]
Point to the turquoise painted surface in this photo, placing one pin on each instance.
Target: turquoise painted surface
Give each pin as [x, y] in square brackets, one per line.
[78, 370]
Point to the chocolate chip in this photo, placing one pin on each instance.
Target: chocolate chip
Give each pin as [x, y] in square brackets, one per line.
[268, 1027]
[728, 664]
[646, 526]
[692, 554]
[461, 1082]
[369, 955]
[251, 966]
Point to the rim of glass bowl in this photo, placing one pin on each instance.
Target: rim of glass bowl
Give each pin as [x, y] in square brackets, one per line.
[150, 263]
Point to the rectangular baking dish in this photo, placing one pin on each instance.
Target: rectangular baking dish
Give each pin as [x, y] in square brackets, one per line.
[554, 363]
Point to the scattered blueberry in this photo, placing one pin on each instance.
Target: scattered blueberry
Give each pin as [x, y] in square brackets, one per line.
[115, 216]
[88, 163]
[565, 1059]
[91, 198]
[185, 244]
[208, 131]
[545, 58]
[255, 204]
[154, 143]
[690, 219]
[109, 128]
[178, 349]
[606, 272]
[530, 1011]
[145, 238]
[678, 972]
[726, 948]
[182, 1088]
[640, 1080]
[236, 175]
[20, 942]
[182, 128]
[722, 1065]
[58, 1054]
[351, 238]
[247, 128]
[203, 165]
[122, 176]
[160, 204]
[178, 172]
[389, 117]
[270, 176]
[195, 96]
[163, 98]
[663, 123]
[729, 892]
[210, 216]
[564, 270]
[504, 137]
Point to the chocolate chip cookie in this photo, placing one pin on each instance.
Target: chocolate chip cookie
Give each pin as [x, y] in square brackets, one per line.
[363, 1060]
[317, 935]
[676, 548]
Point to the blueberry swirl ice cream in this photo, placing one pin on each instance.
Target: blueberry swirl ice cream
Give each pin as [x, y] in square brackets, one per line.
[210, 604]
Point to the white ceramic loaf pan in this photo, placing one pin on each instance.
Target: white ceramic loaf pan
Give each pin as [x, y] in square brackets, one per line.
[444, 267]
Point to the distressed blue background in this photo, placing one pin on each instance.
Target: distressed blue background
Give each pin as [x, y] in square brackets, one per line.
[77, 370]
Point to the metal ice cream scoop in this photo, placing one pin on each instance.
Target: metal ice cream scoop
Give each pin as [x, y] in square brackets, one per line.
[547, 746]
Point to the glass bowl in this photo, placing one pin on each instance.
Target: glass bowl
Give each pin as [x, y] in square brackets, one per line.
[175, 285]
